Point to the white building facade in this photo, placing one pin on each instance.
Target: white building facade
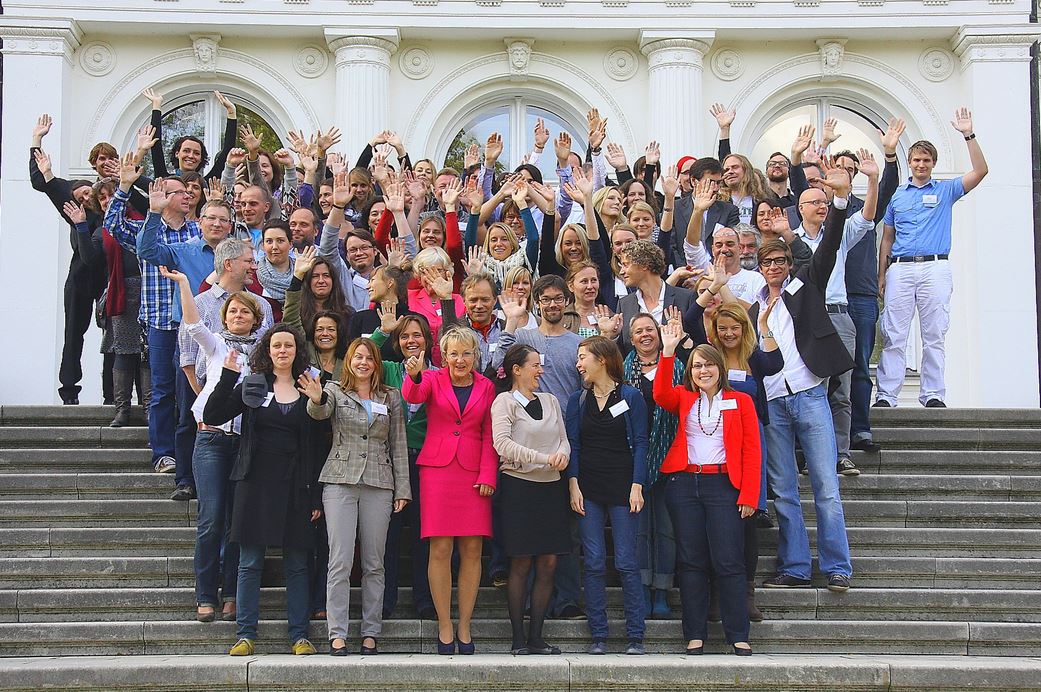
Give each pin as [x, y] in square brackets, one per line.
[429, 69]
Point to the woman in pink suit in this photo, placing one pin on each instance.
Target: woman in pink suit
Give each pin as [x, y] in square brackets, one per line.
[457, 472]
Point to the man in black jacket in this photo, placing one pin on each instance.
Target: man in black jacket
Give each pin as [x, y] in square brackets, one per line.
[721, 213]
[798, 401]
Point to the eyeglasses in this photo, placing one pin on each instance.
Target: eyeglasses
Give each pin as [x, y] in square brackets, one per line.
[702, 366]
[176, 192]
[456, 355]
[359, 250]
[554, 300]
[776, 164]
[218, 219]
[815, 203]
[773, 262]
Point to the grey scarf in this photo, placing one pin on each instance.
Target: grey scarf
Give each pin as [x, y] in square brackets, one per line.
[274, 281]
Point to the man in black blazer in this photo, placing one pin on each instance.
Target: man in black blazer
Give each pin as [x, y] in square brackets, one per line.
[798, 400]
[642, 263]
[720, 213]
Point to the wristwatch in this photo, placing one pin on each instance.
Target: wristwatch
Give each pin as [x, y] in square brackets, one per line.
[768, 335]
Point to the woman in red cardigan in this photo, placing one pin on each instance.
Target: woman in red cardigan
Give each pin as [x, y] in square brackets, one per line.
[713, 481]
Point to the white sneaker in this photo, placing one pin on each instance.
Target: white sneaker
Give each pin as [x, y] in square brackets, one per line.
[165, 464]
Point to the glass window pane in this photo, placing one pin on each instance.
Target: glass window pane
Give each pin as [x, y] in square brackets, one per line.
[269, 140]
[186, 120]
[555, 124]
[857, 132]
[477, 131]
[781, 133]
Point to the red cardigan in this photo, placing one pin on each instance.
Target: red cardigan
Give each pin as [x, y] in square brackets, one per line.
[740, 433]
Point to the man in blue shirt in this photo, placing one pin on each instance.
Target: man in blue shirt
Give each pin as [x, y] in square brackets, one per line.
[913, 269]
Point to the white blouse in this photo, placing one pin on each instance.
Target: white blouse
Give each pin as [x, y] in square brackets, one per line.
[705, 441]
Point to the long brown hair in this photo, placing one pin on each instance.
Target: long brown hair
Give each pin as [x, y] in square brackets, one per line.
[348, 382]
[606, 350]
[335, 302]
[712, 354]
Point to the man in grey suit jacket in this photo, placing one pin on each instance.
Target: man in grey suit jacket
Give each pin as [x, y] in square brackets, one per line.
[642, 263]
[720, 213]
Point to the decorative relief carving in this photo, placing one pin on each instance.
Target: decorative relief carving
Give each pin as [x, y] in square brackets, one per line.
[621, 64]
[311, 61]
[205, 46]
[424, 3]
[416, 63]
[993, 47]
[39, 41]
[518, 56]
[682, 52]
[489, 3]
[678, 3]
[727, 65]
[936, 64]
[97, 58]
[832, 51]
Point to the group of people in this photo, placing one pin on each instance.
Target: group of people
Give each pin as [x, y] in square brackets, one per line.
[333, 353]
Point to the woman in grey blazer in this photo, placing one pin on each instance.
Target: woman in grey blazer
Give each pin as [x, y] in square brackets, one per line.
[366, 479]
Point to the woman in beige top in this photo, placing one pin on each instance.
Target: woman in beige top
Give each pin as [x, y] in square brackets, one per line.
[528, 433]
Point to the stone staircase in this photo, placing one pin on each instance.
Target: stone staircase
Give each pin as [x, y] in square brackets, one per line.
[96, 580]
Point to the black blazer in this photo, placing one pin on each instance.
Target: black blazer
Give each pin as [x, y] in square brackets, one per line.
[629, 306]
[723, 213]
[819, 344]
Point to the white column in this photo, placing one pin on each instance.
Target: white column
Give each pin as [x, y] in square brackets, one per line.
[993, 242]
[362, 83]
[674, 61]
[34, 241]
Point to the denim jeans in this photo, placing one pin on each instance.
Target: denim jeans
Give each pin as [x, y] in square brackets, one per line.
[184, 435]
[839, 385]
[162, 350]
[806, 416]
[420, 549]
[251, 566]
[318, 566]
[623, 530]
[709, 535]
[655, 541]
[863, 309]
[214, 456]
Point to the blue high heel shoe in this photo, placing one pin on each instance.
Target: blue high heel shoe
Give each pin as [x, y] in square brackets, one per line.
[445, 649]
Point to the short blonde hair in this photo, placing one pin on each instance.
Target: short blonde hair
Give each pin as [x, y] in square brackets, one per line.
[464, 336]
[431, 258]
[580, 231]
[641, 206]
[246, 299]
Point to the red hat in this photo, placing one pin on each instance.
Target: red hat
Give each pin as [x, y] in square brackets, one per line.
[683, 160]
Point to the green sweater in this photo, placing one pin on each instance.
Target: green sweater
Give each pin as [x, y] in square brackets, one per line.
[393, 376]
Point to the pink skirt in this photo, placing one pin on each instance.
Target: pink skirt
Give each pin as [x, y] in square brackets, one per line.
[450, 505]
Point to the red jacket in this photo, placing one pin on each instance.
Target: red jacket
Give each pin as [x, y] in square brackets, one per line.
[467, 436]
[740, 433]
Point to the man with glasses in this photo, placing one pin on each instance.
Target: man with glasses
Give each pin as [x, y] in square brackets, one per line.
[777, 167]
[360, 248]
[800, 325]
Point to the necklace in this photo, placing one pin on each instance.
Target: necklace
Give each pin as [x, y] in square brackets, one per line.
[719, 420]
[602, 396]
[651, 364]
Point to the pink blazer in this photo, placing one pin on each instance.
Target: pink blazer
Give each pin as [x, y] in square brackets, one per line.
[466, 436]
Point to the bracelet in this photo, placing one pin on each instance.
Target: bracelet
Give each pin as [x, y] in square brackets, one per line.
[711, 293]
[336, 206]
[971, 137]
[666, 210]
[890, 158]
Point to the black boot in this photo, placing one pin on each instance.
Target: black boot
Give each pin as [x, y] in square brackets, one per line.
[144, 386]
[754, 614]
[122, 392]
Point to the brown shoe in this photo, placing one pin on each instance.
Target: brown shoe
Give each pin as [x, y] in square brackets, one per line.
[754, 614]
[228, 614]
[205, 613]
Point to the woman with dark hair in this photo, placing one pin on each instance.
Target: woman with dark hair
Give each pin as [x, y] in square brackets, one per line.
[188, 153]
[277, 495]
[607, 431]
[370, 214]
[193, 187]
[313, 289]
[636, 190]
[528, 433]
[275, 267]
[713, 469]
[388, 288]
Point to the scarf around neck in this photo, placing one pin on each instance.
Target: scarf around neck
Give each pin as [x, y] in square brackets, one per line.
[274, 281]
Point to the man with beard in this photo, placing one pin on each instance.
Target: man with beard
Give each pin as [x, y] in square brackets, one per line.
[748, 242]
[303, 225]
[743, 283]
[777, 168]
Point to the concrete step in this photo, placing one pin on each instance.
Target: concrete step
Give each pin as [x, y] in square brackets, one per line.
[96, 513]
[976, 488]
[572, 636]
[818, 672]
[153, 572]
[67, 415]
[15, 437]
[920, 417]
[87, 486]
[154, 604]
[866, 541]
[956, 462]
[938, 437]
[93, 460]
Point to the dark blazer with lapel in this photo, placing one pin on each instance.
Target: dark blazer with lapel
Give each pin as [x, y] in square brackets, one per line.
[819, 344]
[629, 306]
[722, 213]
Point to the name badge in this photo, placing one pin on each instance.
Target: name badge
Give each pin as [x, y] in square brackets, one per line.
[728, 405]
[793, 286]
[591, 319]
[650, 374]
[268, 399]
[367, 336]
[737, 375]
[360, 281]
[542, 359]
[930, 200]
[619, 408]
[381, 409]
[492, 347]
[314, 372]
[520, 398]
[438, 311]
[412, 408]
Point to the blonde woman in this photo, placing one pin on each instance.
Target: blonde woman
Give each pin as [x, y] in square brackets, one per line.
[518, 284]
[433, 267]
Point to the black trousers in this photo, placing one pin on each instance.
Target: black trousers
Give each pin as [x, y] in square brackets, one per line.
[81, 289]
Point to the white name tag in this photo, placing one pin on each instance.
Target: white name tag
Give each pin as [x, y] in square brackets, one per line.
[520, 398]
[728, 405]
[737, 375]
[542, 359]
[619, 408]
[367, 336]
[930, 200]
[793, 286]
[650, 374]
[314, 372]
[268, 399]
[492, 347]
[591, 319]
[438, 311]
[500, 314]
[381, 409]
[360, 281]
[412, 408]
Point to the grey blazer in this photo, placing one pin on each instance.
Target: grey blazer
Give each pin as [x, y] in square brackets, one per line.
[363, 453]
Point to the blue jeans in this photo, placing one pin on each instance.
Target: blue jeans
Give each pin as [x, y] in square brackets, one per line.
[162, 350]
[762, 468]
[214, 456]
[709, 533]
[184, 436]
[806, 416]
[655, 541]
[594, 548]
[863, 309]
[251, 565]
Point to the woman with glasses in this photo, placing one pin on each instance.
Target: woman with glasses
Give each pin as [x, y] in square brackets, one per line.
[457, 474]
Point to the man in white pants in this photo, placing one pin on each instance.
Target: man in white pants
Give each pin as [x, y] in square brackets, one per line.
[913, 269]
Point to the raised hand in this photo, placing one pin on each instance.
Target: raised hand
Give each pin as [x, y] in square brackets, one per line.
[76, 213]
[297, 142]
[545, 191]
[764, 315]
[835, 178]
[803, 140]
[962, 121]
[229, 107]
[43, 162]
[110, 169]
[670, 184]
[394, 198]
[472, 196]
[342, 194]
[474, 261]
[450, 195]
[414, 365]
[231, 361]
[250, 140]
[379, 169]
[671, 337]
[129, 171]
[236, 156]
[719, 274]
[608, 324]
[146, 138]
[380, 138]
[397, 255]
[597, 128]
[155, 97]
[511, 308]
[305, 259]
[285, 158]
[327, 140]
[562, 148]
[395, 141]
[891, 137]
[492, 149]
[41, 128]
[173, 275]
[417, 188]
[438, 283]
[616, 156]
[334, 162]
[308, 161]
[673, 314]
[652, 153]
[157, 197]
[520, 194]
[777, 222]
[311, 387]
[829, 135]
[704, 197]
[541, 134]
[813, 155]
[386, 312]
[724, 117]
[471, 156]
[868, 165]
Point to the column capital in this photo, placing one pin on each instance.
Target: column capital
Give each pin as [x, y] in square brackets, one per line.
[365, 38]
[994, 43]
[24, 36]
[654, 40]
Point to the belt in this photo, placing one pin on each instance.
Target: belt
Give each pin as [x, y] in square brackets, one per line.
[918, 258]
[836, 308]
[210, 429]
[706, 468]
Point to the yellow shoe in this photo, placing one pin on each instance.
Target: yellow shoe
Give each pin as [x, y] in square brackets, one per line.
[301, 647]
[243, 647]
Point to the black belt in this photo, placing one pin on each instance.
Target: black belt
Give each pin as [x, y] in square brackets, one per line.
[918, 258]
[836, 309]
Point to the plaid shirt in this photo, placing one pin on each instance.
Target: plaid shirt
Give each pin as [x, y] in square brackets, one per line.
[157, 293]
